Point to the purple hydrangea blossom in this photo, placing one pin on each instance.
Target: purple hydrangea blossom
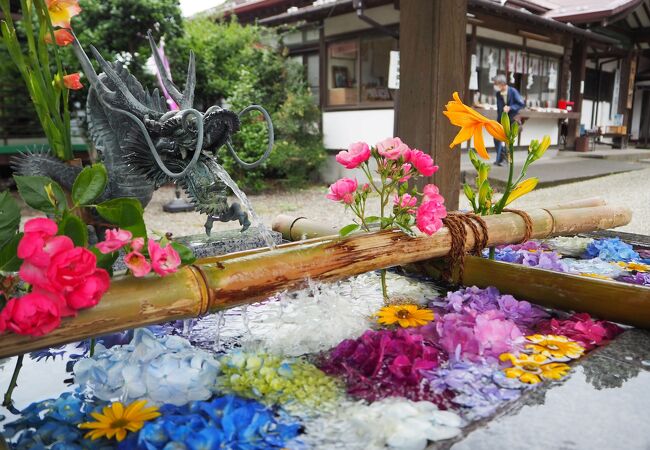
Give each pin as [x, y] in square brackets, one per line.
[532, 254]
[522, 313]
[480, 388]
[613, 249]
[642, 279]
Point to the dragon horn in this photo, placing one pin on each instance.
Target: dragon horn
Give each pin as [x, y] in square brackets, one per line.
[89, 71]
[173, 91]
[134, 105]
[190, 83]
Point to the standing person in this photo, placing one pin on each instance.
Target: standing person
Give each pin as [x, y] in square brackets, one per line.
[510, 101]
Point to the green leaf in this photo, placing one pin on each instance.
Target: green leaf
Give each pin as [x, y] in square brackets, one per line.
[73, 227]
[469, 193]
[105, 261]
[187, 256]
[126, 213]
[372, 219]
[349, 229]
[89, 184]
[9, 216]
[9, 261]
[34, 190]
[405, 229]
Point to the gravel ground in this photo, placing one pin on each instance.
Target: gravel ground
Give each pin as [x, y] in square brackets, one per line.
[630, 189]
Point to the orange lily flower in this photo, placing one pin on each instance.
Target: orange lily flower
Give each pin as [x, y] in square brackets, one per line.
[61, 11]
[73, 81]
[471, 124]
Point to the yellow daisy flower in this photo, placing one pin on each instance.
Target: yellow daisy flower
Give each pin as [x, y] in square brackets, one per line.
[533, 368]
[116, 421]
[557, 347]
[595, 275]
[634, 266]
[408, 315]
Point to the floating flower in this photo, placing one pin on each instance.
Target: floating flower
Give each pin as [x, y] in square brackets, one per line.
[479, 388]
[406, 315]
[422, 162]
[595, 275]
[392, 423]
[159, 370]
[343, 191]
[581, 328]
[226, 422]
[556, 347]
[385, 363]
[638, 278]
[429, 216]
[612, 249]
[634, 266]
[61, 11]
[532, 369]
[569, 246]
[357, 154]
[292, 382]
[73, 81]
[476, 336]
[116, 421]
[531, 254]
[62, 37]
[595, 265]
[472, 124]
[393, 148]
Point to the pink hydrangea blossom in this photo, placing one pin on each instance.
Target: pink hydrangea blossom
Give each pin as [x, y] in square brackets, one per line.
[343, 190]
[164, 260]
[432, 194]
[393, 148]
[429, 217]
[357, 153]
[114, 240]
[137, 264]
[423, 163]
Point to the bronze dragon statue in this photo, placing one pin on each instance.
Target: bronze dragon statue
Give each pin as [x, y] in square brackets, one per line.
[144, 145]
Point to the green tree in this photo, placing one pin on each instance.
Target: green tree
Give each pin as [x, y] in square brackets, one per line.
[242, 65]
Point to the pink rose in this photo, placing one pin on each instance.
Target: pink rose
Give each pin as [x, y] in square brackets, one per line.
[114, 240]
[137, 244]
[343, 191]
[429, 217]
[165, 260]
[423, 163]
[42, 226]
[32, 314]
[70, 268]
[357, 153]
[34, 268]
[56, 298]
[405, 201]
[406, 168]
[432, 194]
[39, 242]
[137, 264]
[90, 292]
[393, 148]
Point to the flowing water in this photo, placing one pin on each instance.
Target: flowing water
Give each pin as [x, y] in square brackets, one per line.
[246, 204]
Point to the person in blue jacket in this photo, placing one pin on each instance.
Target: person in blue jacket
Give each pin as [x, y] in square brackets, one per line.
[509, 100]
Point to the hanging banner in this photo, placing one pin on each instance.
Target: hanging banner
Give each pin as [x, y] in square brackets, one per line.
[473, 74]
[617, 89]
[393, 70]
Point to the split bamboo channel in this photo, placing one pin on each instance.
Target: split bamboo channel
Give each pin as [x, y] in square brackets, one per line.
[223, 282]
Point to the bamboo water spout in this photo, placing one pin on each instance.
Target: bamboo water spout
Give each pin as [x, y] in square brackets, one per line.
[227, 281]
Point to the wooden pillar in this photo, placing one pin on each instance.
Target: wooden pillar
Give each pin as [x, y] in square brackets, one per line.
[565, 70]
[626, 91]
[432, 63]
[578, 71]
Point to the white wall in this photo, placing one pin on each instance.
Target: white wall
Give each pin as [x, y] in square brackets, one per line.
[341, 128]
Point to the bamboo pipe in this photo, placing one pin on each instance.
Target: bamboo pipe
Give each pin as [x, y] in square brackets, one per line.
[300, 228]
[242, 278]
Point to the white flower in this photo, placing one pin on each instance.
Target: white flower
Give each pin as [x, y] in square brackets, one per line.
[595, 265]
[569, 246]
[160, 370]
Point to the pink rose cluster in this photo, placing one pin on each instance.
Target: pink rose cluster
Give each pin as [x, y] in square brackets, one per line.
[582, 328]
[64, 279]
[163, 260]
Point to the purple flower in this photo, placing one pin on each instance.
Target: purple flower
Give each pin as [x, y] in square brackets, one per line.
[532, 254]
[638, 278]
[478, 388]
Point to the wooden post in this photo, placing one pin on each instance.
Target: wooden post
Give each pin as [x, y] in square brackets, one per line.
[432, 64]
[578, 71]
[626, 92]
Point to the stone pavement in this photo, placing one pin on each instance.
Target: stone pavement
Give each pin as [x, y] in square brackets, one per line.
[559, 167]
